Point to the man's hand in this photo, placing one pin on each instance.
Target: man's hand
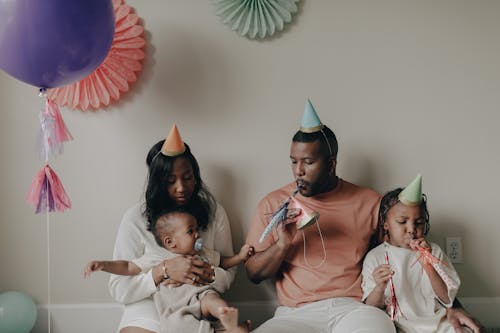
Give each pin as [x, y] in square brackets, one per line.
[458, 318]
[287, 229]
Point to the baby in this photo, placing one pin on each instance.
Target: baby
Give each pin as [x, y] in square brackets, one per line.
[177, 232]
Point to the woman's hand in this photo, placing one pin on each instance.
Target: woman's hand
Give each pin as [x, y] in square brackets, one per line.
[184, 270]
[171, 283]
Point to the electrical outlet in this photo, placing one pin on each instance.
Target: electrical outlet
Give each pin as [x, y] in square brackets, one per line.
[454, 249]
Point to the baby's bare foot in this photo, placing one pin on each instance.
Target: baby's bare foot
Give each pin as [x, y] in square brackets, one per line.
[228, 316]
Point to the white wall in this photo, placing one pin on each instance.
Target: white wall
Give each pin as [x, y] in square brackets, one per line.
[408, 86]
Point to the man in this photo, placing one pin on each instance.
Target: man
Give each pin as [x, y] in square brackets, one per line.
[317, 270]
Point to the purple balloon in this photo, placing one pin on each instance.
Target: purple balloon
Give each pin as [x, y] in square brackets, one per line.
[51, 43]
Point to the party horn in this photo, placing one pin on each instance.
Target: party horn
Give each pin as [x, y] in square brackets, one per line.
[307, 217]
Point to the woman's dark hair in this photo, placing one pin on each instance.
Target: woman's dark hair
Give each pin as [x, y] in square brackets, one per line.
[324, 134]
[158, 202]
[388, 201]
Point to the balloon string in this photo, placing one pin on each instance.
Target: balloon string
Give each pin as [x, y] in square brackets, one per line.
[43, 93]
[48, 262]
[46, 140]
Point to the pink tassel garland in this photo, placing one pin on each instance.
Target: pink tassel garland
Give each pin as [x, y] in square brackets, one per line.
[53, 132]
[62, 133]
[47, 192]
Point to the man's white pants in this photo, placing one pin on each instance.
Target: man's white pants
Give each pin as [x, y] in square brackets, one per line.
[334, 315]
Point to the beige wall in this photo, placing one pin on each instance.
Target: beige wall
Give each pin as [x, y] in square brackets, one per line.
[408, 86]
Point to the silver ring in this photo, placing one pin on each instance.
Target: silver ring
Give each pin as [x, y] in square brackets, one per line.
[194, 278]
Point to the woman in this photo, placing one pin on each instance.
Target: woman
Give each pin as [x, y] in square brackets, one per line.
[174, 180]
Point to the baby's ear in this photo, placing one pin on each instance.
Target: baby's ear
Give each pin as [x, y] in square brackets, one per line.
[168, 242]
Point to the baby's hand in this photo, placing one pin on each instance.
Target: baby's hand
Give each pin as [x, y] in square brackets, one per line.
[92, 266]
[420, 243]
[382, 274]
[246, 252]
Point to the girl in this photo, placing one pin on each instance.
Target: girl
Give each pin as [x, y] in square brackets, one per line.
[407, 275]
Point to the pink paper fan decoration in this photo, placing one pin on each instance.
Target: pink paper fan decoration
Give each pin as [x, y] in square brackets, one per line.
[118, 70]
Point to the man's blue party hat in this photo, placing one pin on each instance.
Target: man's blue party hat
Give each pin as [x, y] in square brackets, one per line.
[310, 120]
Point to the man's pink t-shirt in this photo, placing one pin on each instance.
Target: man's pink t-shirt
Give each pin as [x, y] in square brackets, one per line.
[348, 219]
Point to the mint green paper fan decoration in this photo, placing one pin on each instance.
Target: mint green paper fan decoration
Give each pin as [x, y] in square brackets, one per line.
[256, 18]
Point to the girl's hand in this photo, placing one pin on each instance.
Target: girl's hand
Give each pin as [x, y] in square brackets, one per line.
[416, 244]
[188, 270]
[92, 266]
[246, 252]
[382, 274]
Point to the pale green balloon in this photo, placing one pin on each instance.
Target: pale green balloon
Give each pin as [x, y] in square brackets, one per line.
[18, 312]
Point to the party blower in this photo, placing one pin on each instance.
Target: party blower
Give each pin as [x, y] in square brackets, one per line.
[307, 217]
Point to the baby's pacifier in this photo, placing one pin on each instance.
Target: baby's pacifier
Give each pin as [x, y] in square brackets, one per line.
[198, 244]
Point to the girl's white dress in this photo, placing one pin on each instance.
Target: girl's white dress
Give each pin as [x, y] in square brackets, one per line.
[420, 309]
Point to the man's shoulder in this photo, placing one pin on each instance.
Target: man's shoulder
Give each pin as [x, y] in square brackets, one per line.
[279, 194]
[360, 191]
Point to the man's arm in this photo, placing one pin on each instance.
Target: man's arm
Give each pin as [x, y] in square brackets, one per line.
[458, 318]
[265, 264]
